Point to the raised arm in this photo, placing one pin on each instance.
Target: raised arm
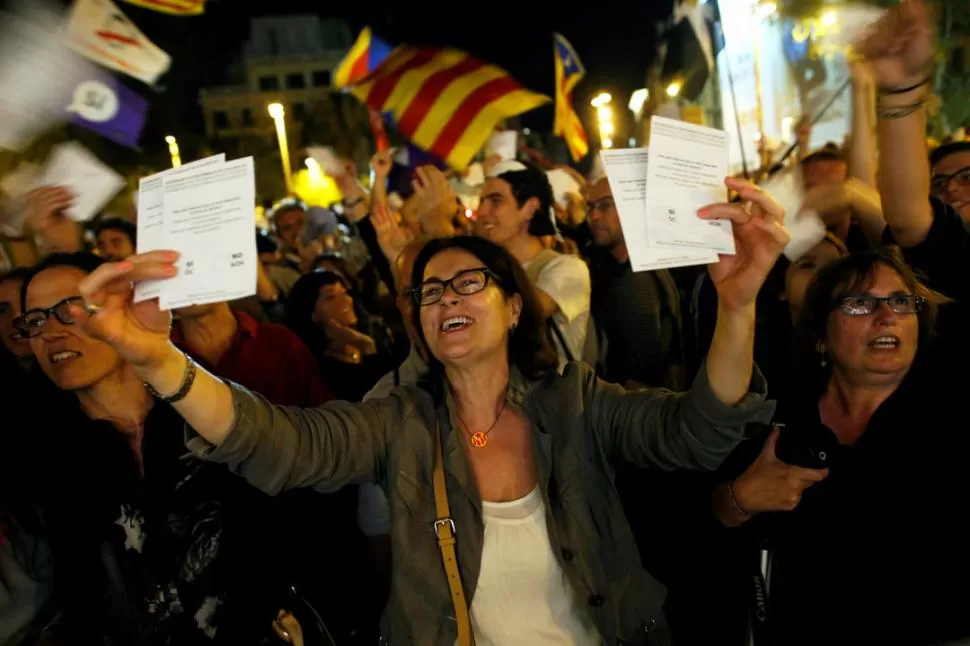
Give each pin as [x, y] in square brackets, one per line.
[669, 431]
[899, 52]
[698, 429]
[759, 237]
[273, 447]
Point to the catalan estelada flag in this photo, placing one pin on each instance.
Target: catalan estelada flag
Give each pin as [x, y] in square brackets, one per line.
[364, 57]
[174, 7]
[569, 72]
[443, 100]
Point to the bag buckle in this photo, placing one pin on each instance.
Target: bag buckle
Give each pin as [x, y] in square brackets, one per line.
[443, 521]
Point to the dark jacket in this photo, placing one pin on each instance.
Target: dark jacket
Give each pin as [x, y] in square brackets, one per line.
[174, 556]
[580, 426]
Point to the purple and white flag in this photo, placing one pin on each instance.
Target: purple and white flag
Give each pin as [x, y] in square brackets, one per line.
[103, 104]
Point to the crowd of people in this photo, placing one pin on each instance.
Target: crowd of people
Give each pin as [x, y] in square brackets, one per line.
[429, 428]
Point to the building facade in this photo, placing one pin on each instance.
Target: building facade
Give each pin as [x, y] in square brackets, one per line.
[287, 60]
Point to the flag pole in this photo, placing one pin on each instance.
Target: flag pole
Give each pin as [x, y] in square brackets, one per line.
[780, 164]
[737, 118]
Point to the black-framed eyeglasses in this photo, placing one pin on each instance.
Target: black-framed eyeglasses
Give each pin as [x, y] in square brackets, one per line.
[32, 322]
[865, 304]
[466, 283]
[939, 183]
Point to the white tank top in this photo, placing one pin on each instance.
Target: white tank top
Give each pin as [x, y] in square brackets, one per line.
[523, 596]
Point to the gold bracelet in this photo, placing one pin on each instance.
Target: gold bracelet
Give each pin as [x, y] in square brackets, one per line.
[745, 514]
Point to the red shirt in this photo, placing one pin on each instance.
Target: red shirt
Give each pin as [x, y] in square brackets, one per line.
[268, 359]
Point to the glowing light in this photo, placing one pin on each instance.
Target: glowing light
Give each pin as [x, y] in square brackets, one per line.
[607, 143]
[637, 99]
[765, 10]
[829, 18]
[601, 99]
[673, 90]
[276, 110]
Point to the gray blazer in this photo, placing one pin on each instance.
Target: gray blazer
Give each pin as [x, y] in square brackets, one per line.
[580, 425]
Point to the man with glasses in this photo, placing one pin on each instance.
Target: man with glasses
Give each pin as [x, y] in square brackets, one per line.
[639, 312]
[950, 176]
[172, 544]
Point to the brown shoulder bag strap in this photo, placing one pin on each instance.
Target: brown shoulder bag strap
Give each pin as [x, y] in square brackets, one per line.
[444, 531]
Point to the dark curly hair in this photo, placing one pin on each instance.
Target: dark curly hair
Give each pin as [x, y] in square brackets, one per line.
[530, 349]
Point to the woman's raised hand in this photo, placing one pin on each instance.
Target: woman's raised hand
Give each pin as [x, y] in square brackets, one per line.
[899, 48]
[759, 238]
[138, 331]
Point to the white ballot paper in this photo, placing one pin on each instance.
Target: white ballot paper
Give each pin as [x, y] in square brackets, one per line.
[562, 184]
[92, 183]
[626, 171]
[505, 144]
[805, 228]
[208, 218]
[150, 202]
[688, 164]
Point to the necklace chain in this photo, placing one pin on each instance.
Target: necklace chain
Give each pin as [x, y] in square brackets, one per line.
[480, 439]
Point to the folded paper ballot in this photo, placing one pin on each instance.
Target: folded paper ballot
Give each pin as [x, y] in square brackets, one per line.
[92, 182]
[805, 228]
[626, 171]
[205, 211]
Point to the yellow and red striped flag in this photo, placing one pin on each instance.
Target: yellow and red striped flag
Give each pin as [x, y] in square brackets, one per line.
[569, 72]
[174, 7]
[444, 100]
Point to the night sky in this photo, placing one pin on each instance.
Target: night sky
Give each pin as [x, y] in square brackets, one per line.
[615, 44]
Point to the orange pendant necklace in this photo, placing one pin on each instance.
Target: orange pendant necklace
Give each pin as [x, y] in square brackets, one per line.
[480, 438]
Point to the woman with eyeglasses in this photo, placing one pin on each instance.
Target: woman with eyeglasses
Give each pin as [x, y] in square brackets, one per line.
[867, 466]
[505, 524]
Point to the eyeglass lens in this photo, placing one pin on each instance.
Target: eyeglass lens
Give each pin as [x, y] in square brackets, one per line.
[465, 283]
[33, 321]
[864, 304]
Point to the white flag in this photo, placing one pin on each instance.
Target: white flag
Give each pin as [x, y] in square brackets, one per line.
[98, 30]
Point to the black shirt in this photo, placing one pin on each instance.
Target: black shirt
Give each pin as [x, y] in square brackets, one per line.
[174, 557]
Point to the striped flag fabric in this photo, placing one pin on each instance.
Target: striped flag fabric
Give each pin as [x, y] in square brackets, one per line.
[443, 100]
[367, 53]
[569, 72]
[173, 7]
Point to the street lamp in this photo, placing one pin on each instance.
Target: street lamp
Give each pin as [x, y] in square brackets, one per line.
[604, 117]
[173, 150]
[276, 111]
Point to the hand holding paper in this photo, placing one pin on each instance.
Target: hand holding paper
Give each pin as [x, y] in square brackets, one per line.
[93, 183]
[139, 331]
[759, 237]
